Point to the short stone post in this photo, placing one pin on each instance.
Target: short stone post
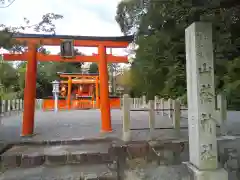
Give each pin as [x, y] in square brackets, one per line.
[38, 104]
[221, 112]
[201, 104]
[17, 104]
[126, 118]
[176, 115]
[13, 105]
[222, 107]
[156, 102]
[151, 115]
[121, 102]
[162, 106]
[41, 104]
[170, 107]
[138, 102]
[2, 105]
[131, 103]
[9, 106]
[144, 101]
[135, 103]
[21, 104]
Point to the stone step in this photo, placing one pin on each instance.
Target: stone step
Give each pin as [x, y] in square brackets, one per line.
[66, 172]
[169, 152]
[27, 156]
[72, 141]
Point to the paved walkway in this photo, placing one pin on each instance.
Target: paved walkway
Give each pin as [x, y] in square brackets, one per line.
[68, 125]
[83, 124]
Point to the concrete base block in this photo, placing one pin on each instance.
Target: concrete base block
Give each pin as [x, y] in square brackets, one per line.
[151, 135]
[126, 136]
[27, 137]
[196, 174]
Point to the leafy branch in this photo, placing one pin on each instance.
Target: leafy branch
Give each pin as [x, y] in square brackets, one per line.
[45, 25]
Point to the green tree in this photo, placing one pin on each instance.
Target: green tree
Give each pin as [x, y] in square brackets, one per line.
[46, 25]
[93, 68]
[159, 28]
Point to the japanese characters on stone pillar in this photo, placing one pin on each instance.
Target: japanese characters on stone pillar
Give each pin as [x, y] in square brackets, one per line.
[201, 99]
[201, 96]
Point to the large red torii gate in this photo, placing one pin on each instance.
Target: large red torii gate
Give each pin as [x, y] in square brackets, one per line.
[32, 56]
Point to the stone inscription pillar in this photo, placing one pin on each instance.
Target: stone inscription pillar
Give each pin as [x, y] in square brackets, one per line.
[201, 103]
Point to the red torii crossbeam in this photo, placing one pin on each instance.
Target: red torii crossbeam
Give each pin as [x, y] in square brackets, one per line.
[57, 58]
[32, 56]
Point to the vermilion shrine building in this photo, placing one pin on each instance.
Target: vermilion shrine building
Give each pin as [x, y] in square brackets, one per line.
[79, 91]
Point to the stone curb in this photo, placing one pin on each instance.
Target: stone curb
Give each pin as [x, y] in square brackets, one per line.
[174, 146]
[28, 161]
[129, 151]
[32, 160]
[136, 150]
[77, 141]
[4, 147]
[65, 142]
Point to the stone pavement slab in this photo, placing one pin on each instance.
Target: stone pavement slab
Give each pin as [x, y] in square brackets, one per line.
[67, 172]
[85, 124]
[78, 124]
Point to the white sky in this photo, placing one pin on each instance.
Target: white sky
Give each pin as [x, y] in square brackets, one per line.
[81, 17]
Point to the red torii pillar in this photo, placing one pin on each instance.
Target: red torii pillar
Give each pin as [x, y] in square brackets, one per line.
[30, 91]
[97, 92]
[104, 94]
[69, 92]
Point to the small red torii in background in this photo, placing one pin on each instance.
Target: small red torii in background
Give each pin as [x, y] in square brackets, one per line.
[67, 44]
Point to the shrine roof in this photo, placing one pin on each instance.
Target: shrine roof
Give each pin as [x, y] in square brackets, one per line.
[90, 38]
